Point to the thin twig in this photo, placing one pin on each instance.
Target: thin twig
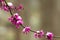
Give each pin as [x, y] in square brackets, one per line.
[44, 35]
[9, 8]
[23, 25]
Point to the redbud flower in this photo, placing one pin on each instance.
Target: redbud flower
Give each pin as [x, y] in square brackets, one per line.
[1, 0]
[20, 7]
[39, 34]
[2, 3]
[49, 35]
[5, 8]
[26, 30]
[16, 20]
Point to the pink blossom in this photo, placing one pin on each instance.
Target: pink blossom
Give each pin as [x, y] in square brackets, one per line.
[26, 30]
[49, 35]
[5, 8]
[39, 34]
[1, 0]
[2, 3]
[16, 20]
[20, 7]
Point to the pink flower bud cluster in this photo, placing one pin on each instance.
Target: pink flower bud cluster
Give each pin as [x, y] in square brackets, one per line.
[39, 34]
[1, 0]
[9, 5]
[26, 30]
[17, 20]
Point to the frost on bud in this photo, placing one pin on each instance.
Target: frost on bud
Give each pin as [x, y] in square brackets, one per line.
[10, 4]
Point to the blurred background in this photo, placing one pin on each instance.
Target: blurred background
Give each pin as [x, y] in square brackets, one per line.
[39, 14]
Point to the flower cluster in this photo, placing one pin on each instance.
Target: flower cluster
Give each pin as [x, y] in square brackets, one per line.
[10, 6]
[1, 0]
[26, 30]
[17, 20]
[39, 34]
[5, 6]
